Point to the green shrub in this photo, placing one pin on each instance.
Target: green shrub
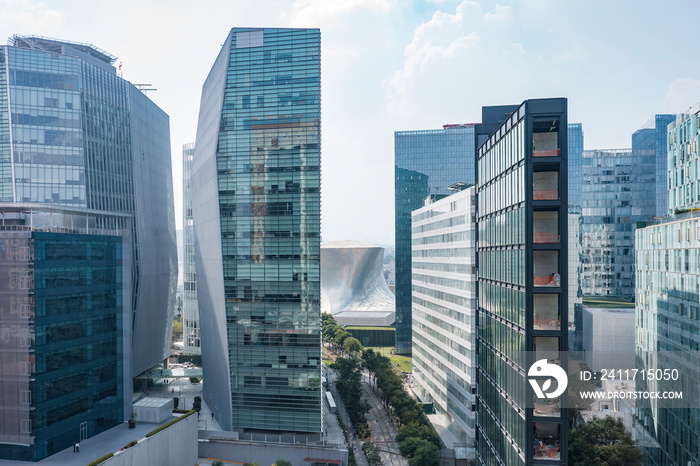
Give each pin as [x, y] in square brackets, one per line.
[101, 460]
[165, 426]
[131, 444]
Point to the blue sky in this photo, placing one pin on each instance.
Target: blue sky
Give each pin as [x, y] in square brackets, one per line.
[392, 65]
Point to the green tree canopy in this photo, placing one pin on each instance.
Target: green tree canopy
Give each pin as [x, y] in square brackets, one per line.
[603, 442]
[282, 463]
[352, 345]
[341, 335]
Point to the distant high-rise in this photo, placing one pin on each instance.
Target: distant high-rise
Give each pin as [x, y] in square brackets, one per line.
[85, 158]
[618, 189]
[667, 335]
[256, 209]
[426, 162]
[190, 308]
[574, 160]
[522, 286]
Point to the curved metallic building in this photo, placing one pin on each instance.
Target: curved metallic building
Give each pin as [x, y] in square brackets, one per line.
[353, 288]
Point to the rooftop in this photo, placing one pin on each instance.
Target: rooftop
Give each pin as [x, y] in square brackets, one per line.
[608, 302]
[47, 44]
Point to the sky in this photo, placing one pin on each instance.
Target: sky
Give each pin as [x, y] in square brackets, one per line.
[396, 65]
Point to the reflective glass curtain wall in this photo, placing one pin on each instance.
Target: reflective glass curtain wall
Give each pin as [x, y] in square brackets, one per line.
[522, 285]
[574, 166]
[84, 137]
[190, 309]
[667, 317]
[62, 346]
[263, 100]
[426, 162]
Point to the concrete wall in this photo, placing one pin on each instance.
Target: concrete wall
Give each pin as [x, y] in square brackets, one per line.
[268, 453]
[174, 446]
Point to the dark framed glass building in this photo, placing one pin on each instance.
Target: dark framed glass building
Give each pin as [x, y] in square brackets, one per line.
[426, 162]
[63, 305]
[522, 285]
[256, 205]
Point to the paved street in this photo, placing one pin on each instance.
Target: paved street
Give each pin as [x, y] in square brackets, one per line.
[382, 425]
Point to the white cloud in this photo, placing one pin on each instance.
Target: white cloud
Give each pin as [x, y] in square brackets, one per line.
[682, 94]
[503, 14]
[36, 16]
[314, 13]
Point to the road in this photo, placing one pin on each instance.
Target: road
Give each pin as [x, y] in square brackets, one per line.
[382, 425]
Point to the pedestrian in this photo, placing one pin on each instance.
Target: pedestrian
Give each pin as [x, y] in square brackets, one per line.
[73, 447]
[77, 447]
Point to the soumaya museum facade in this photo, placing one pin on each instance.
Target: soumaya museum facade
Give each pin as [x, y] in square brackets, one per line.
[88, 243]
[256, 206]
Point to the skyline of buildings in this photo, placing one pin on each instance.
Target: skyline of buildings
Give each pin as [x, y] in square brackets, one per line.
[92, 173]
[85, 180]
[256, 207]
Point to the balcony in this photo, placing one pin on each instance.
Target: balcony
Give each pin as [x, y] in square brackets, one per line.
[545, 186]
[546, 267]
[545, 138]
[546, 312]
[546, 227]
[546, 441]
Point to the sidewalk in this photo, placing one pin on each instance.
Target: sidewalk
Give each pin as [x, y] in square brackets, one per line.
[354, 443]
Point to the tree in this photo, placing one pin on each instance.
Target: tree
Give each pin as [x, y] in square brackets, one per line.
[281, 463]
[328, 326]
[340, 335]
[177, 329]
[575, 388]
[352, 345]
[411, 445]
[603, 442]
[418, 431]
[425, 455]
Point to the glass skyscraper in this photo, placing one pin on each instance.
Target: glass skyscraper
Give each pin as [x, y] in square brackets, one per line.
[256, 205]
[667, 307]
[618, 189]
[190, 308]
[74, 135]
[668, 337]
[522, 286]
[426, 162]
[444, 314]
[574, 162]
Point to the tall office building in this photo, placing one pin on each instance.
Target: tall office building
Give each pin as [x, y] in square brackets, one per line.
[190, 308]
[651, 139]
[444, 314]
[426, 162]
[618, 189]
[256, 206]
[522, 286]
[93, 152]
[668, 309]
[574, 161]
